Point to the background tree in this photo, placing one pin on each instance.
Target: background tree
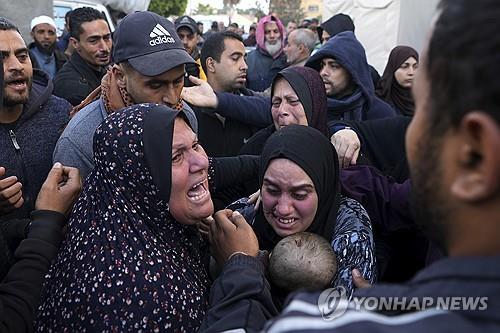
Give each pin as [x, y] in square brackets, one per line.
[287, 10]
[168, 8]
[204, 9]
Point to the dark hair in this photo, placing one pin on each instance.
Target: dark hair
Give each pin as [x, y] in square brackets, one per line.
[215, 25]
[214, 46]
[6, 25]
[463, 62]
[80, 16]
[234, 25]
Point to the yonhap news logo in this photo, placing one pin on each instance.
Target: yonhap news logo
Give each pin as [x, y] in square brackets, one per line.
[333, 303]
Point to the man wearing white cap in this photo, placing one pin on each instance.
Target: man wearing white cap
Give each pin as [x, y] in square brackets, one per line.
[43, 51]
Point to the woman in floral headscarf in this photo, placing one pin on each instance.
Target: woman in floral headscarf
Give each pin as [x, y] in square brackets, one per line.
[133, 259]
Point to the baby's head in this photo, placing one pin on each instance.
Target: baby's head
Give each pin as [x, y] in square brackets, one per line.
[302, 261]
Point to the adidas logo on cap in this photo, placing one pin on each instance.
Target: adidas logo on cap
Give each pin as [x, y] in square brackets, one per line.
[160, 35]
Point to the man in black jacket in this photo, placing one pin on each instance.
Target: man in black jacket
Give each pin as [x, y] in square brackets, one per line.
[91, 39]
[43, 51]
[223, 59]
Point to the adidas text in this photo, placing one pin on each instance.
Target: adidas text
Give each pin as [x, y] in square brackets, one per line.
[161, 40]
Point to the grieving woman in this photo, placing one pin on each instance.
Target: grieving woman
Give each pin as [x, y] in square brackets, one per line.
[300, 191]
[133, 259]
[298, 97]
[394, 87]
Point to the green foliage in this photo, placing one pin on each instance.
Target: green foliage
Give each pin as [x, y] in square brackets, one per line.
[205, 9]
[168, 8]
[287, 10]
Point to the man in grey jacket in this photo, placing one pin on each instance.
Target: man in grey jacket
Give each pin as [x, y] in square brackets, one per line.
[149, 68]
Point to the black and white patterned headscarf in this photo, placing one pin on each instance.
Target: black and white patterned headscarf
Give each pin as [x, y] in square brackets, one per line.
[126, 265]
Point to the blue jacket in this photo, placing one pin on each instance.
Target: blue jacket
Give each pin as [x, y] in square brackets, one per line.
[240, 300]
[27, 146]
[362, 104]
[262, 69]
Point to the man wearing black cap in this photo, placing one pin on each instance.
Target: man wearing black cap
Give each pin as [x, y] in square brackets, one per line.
[188, 32]
[149, 68]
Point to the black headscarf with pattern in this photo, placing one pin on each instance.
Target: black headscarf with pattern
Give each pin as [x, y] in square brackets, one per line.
[126, 264]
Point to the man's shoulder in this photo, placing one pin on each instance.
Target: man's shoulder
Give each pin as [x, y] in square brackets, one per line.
[319, 313]
[85, 121]
[59, 104]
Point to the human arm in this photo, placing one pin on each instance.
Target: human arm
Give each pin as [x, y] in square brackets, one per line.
[252, 110]
[20, 290]
[227, 172]
[386, 201]
[382, 142]
[353, 245]
[347, 145]
[240, 297]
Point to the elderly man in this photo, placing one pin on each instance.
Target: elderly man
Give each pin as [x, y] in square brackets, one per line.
[300, 45]
[268, 58]
[144, 72]
[43, 51]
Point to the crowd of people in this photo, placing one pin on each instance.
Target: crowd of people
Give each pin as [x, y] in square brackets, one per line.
[158, 179]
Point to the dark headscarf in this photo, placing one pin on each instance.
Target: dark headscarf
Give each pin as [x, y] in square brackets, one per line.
[314, 153]
[388, 87]
[126, 264]
[310, 89]
[336, 24]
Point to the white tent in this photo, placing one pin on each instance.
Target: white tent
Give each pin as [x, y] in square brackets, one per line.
[126, 6]
[383, 24]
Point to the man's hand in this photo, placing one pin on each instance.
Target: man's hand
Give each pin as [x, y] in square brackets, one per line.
[230, 233]
[11, 195]
[60, 189]
[201, 95]
[347, 145]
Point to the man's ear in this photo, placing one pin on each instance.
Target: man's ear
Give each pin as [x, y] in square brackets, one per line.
[301, 47]
[121, 79]
[478, 177]
[210, 62]
[75, 43]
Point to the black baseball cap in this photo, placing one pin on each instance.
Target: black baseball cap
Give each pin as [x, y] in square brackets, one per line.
[186, 21]
[150, 44]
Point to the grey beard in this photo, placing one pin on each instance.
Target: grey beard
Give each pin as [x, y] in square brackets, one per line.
[272, 49]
